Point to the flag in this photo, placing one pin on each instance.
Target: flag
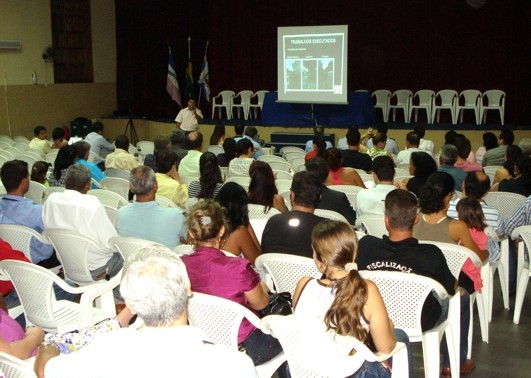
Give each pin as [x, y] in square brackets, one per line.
[172, 86]
[189, 89]
[204, 78]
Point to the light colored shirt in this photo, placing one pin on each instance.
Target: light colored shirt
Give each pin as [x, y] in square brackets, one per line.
[342, 143]
[121, 159]
[468, 166]
[404, 156]
[71, 210]
[427, 145]
[309, 145]
[494, 156]
[187, 119]
[148, 220]
[189, 165]
[521, 217]
[170, 188]
[372, 201]
[98, 144]
[390, 145]
[151, 352]
[239, 167]
[40, 144]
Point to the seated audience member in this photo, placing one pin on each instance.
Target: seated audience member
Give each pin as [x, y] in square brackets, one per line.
[412, 145]
[40, 142]
[262, 189]
[371, 201]
[379, 141]
[7, 290]
[252, 134]
[82, 154]
[421, 166]
[169, 180]
[330, 199]
[525, 146]
[352, 157]
[240, 165]
[58, 138]
[319, 148]
[239, 237]
[15, 209]
[121, 158]
[156, 287]
[449, 137]
[317, 130]
[390, 143]
[496, 156]
[161, 143]
[66, 156]
[177, 140]
[189, 165]
[342, 143]
[144, 218]
[212, 272]
[512, 155]
[238, 131]
[210, 181]
[338, 175]
[424, 144]
[75, 210]
[489, 142]
[521, 183]
[98, 144]
[342, 301]
[401, 251]
[229, 148]
[218, 135]
[39, 172]
[464, 149]
[477, 185]
[447, 159]
[290, 232]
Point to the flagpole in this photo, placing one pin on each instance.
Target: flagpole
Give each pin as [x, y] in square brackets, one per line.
[201, 87]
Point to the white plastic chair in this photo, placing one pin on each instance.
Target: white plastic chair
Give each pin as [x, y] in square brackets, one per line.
[285, 270]
[21, 146]
[351, 191]
[145, 147]
[282, 175]
[119, 173]
[281, 166]
[112, 214]
[220, 320]
[109, 198]
[372, 224]
[242, 101]
[425, 101]
[6, 139]
[490, 170]
[165, 202]
[30, 159]
[226, 103]
[523, 234]
[283, 185]
[471, 101]
[3, 160]
[21, 139]
[288, 156]
[259, 211]
[382, 102]
[311, 352]
[259, 104]
[243, 181]
[495, 101]
[53, 189]
[19, 237]
[404, 295]
[258, 225]
[448, 100]
[36, 192]
[216, 150]
[34, 285]
[284, 150]
[330, 214]
[271, 158]
[287, 198]
[403, 99]
[51, 156]
[12, 367]
[117, 185]
[128, 245]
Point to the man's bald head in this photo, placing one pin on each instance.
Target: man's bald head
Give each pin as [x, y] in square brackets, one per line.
[476, 185]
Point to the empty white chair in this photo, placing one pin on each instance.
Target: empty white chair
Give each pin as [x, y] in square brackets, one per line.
[284, 150]
[287, 198]
[242, 101]
[120, 173]
[422, 99]
[243, 181]
[52, 189]
[94, 157]
[283, 185]
[6, 139]
[112, 213]
[165, 202]
[372, 224]
[109, 198]
[523, 234]
[403, 99]
[36, 192]
[117, 185]
[51, 156]
[282, 175]
[447, 100]
[258, 225]
[28, 159]
[280, 166]
[351, 191]
[490, 170]
[292, 155]
[12, 367]
[259, 104]
[330, 214]
[225, 98]
[495, 99]
[472, 101]
[382, 102]
[259, 212]
[145, 147]
[21, 139]
[270, 158]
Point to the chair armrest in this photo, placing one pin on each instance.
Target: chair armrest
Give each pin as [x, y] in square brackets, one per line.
[517, 231]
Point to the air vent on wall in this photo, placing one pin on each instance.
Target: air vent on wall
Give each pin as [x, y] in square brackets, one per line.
[10, 45]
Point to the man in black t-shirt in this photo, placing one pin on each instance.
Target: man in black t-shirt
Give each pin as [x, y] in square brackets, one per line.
[352, 157]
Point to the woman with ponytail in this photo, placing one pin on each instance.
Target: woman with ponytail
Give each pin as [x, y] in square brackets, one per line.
[346, 303]
[210, 182]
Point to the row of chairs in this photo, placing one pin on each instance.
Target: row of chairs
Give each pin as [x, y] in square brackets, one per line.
[446, 99]
[243, 101]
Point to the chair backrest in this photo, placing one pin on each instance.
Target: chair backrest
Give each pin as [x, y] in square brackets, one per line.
[507, 203]
[243, 181]
[145, 147]
[471, 97]
[292, 155]
[19, 237]
[490, 170]
[216, 150]
[72, 250]
[382, 96]
[286, 270]
[260, 97]
[21, 139]
[281, 166]
[455, 255]
[282, 175]
[36, 192]
[117, 185]
[218, 318]
[226, 97]
[258, 225]
[351, 191]
[402, 96]
[108, 198]
[495, 97]
[425, 97]
[128, 245]
[404, 295]
[447, 97]
[287, 149]
[270, 158]
[51, 156]
[165, 202]
[120, 173]
[259, 211]
[12, 367]
[112, 213]
[329, 214]
[53, 189]
[372, 224]
[244, 96]
[28, 159]
[283, 185]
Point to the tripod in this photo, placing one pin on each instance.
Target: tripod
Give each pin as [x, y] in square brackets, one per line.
[133, 137]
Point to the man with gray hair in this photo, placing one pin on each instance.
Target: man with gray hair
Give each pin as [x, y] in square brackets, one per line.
[144, 218]
[156, 287]
[75, 210]
[447, 159]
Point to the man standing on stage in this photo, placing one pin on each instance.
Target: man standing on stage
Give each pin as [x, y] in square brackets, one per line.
[188, 118]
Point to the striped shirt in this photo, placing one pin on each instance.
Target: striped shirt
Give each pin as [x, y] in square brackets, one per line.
[521, 217]
[492, 215]
[195, 188]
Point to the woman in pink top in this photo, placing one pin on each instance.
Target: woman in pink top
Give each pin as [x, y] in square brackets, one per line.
[212, 272]
[339, 175]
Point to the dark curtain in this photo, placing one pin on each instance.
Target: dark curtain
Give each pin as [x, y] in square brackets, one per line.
[413, 44]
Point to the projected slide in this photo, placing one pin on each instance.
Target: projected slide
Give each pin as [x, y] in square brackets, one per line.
[312, 64]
